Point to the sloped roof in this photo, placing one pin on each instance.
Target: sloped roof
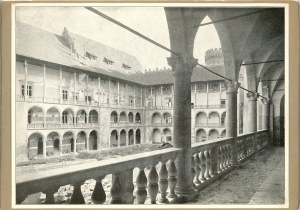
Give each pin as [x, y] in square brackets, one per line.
[37, 43]
[42, 45]
[166, 76]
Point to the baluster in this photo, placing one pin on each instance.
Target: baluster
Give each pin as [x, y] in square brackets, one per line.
[245, 148]
[224, 157]
[221, 158]
[163, 183]
[98, 195]
[213, 161]
[218, 160]
[153, 184]
[207, 157]
[172, 179]
[50, 195]
[198, 168]
[203, 166]
[141, 183]
[193, 168]
[126, 178]
[77, 197]
[116, 190]
[228, 147]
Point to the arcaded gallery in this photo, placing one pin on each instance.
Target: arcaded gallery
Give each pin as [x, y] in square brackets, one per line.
[204, 117]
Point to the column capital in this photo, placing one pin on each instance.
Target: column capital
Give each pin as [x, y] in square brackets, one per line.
[252, 96]
[265, 101]
[232, 86]
[184, 64]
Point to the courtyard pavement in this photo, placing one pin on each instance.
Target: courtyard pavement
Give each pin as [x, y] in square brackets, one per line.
[259, 180]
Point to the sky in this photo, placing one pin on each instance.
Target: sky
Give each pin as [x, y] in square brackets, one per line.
[150, 21]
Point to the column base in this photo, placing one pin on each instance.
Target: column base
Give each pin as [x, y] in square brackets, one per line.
[184, 198]
[184, 191]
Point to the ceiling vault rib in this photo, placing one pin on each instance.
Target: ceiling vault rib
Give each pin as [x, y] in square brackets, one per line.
[232, 18]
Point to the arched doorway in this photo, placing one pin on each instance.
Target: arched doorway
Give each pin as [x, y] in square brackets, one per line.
[81, 141]
[156, 136]
[35, 145]
[123, 138]
[213, 134]
[200, 135]
[53, 147]
[114, 138]
[130, 137]
[93, 140]
[138, 136]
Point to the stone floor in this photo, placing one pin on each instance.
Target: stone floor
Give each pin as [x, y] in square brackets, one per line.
[259, 180]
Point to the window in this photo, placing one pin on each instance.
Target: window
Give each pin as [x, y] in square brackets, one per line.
[88, 98]
[201, 88]
[223, 102]
[29, 90]
[107, 61]
[214, 87]
[124, 66]
[65, 94]
[91, 56]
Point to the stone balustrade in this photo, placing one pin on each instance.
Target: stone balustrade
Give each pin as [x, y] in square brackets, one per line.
[210, 160]
[122, 187]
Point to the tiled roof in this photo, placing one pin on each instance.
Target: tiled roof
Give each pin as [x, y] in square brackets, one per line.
[37, 43]
[42, 45]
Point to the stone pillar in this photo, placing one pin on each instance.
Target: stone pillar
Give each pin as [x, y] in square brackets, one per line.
[252, 116]
[108, 97]
[231, 119]
[45, 148]
[26, 77]
[271, 124]
[161, 96]
[134, 96]
[87, 144]
[118, 100]
[141, 97]
[119, 139]
[44, 84]
[207, 93]
[265, 114]
[183, 69]
[87, 90]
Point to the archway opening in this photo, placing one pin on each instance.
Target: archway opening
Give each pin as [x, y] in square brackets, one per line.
[123, 138]
[93, 116]
[223, 117]
[201, 119]
[213, 134]
[137, 118]
[93, 140]
[123, 117]
[167, 118]
[35, 115]
[81, 141]
[52, 116]
[223, 134]
[156, 118]
[114, 138]
[213, 119]
[156, 136]
[35, 145]
[130, 137]
[52, 144]
[68, 117]
[114, 117]
[200, 135]
[138, 136]
[68, 142]
[81, 117]
[167, 135]
[130, 117]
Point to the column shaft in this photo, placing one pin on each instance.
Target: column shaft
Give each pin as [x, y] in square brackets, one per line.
[252, 116]
[25, 84]
[44, 84]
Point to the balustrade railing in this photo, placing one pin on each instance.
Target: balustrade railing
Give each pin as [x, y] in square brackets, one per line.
[122, 187]
[124, 123]
[213, 106]
[210, 125]
[61, 125]
[165, 124]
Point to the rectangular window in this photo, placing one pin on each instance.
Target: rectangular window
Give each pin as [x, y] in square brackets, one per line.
[65, 94]
[213, 87]
[29, 90]
[201, 88]
[223, 102]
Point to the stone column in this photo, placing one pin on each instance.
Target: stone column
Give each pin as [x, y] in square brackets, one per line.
[87, 90]
[26, 77]
[161, 96]
[108, 97]
[118, 100]
[231, 118]
[252, 116]
[183, 69]
[207, 93]
[265, 114]
[134, 96]
[44, 83]
[45, 148]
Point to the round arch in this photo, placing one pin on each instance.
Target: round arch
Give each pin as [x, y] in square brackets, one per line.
[81, 142]
[223, 134]
[114, 117]
[114, 138]
[130, 137]
[156, 136]
[68, 116]
[93, 137]
[156, 118]
[35, 115]
[123, 138]
[201, 118]
[81, 116]
[130, 117]
[200, 135]
[167, 118]
[138, 118]
[68, 142]
[167, 135]
[93, 116]
[213, 134]
[35, 145]
[53, 144]
[138, 136]
[52, 116]
[213, 118]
